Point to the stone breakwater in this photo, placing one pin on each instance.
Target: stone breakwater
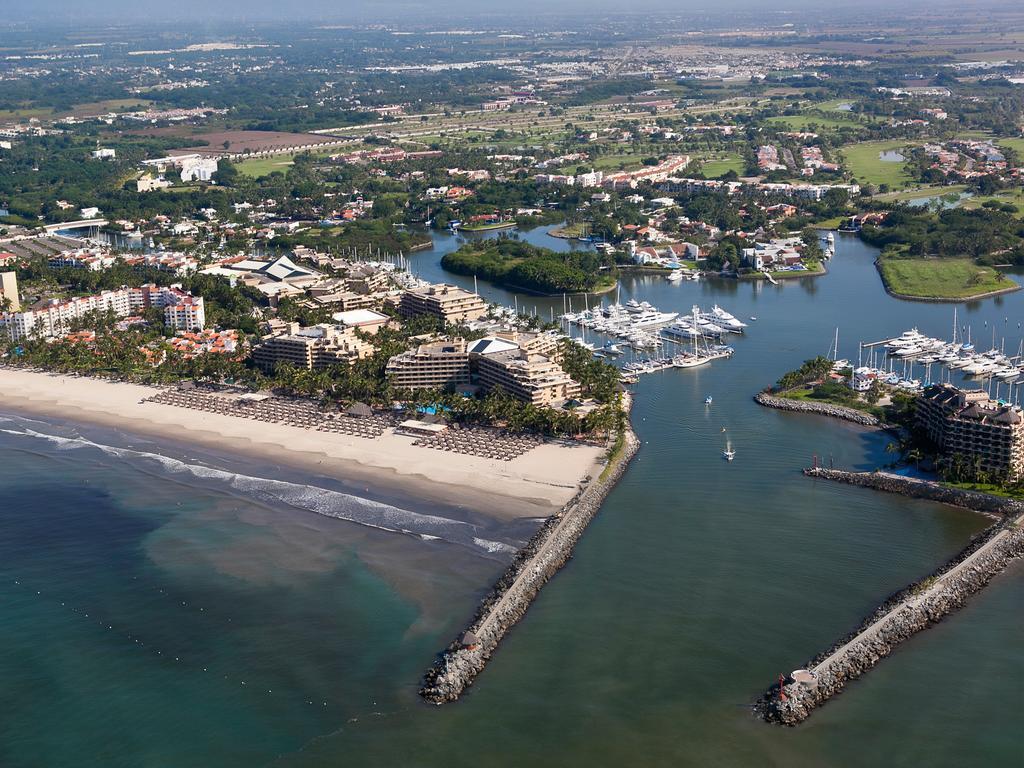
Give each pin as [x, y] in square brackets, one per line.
[825, 409]
[904, 614]
[507, 601]
[917, 488]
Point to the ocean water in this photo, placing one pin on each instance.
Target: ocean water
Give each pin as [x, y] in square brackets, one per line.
[167, 612]
[214, 613]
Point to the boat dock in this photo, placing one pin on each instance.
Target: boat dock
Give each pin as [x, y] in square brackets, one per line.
[913, 348]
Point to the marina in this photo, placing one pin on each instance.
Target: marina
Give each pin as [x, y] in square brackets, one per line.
[737, 551]
[913, 360]
[680, 341]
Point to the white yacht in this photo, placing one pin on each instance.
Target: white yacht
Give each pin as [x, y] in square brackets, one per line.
[911, 338]
[682, 330]
[726, 320]
[649, 317]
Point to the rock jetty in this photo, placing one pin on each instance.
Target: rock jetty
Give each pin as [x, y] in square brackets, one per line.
[917, 488]
[825, 409]
[507, 601]
[907, 612]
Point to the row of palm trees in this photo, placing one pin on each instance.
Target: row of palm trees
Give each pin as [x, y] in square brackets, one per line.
[130, 356]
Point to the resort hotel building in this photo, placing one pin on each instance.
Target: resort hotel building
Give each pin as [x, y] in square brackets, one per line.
[9, 291]
[313, 348]
[524, 365]
[530, 377]
[968, 423]
[182, 311]
[441, 364]
[447, 302]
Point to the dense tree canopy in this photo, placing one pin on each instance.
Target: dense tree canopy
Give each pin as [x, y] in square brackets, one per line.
[514, 263]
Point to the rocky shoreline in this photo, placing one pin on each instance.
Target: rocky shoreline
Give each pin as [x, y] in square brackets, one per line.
[824, 409]
[907, 612]
[510, 597]
[916, 488]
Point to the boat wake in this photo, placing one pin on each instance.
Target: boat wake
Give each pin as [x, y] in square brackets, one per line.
[311, 498]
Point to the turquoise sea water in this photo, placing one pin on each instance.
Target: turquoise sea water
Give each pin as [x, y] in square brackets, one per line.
[697, 584]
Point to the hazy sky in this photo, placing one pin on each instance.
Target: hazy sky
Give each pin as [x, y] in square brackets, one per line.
[362, 11]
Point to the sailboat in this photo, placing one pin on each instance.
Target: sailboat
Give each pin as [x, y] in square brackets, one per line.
[837, 364]
[728, 454]
[701, 356]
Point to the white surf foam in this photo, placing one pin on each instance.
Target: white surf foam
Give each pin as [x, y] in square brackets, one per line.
[322, 501]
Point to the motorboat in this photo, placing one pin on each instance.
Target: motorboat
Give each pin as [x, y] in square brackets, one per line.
[728, 454]
[727, 320]
[648, 318]
[682, 330]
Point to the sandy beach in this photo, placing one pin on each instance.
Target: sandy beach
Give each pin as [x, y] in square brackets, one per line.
[534, 484]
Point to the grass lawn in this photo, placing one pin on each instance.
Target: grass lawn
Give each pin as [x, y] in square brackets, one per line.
[619, 161]
[264, 166]
[941, 278]
[110, 105]
[1016, 144]
[26, 114]
[833, 105]
[92, 108]
[864, 162]
[1011, 196]
[820, 120]
[921, 192]
[812, 394]
[989, 488]
[712, 169]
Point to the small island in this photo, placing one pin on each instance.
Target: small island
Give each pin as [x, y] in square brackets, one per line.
[515, 264]
[941, 279]
[946, 256]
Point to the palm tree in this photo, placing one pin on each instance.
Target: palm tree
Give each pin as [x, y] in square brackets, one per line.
[915, 455]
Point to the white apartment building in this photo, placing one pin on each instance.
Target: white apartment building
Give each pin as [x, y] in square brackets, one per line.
[198, 169]
[182, 311]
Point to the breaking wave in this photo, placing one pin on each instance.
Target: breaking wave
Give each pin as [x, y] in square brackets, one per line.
[322, 501]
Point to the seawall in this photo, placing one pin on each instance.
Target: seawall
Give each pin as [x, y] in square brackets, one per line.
[905, 613]
[923, 489]
[823, 409]
[507, 601]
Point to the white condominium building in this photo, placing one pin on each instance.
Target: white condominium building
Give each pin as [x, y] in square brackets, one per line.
[182, 311]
